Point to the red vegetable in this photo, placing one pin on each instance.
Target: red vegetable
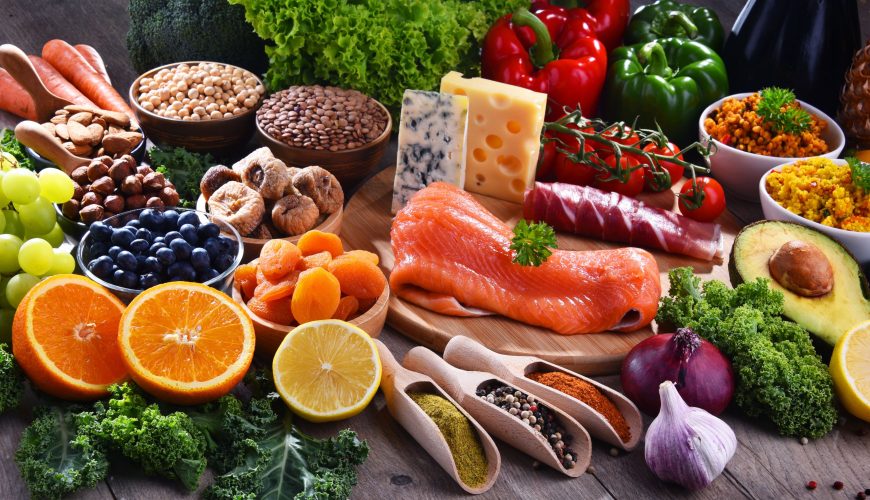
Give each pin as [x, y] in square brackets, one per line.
[94, 59]
[674, 170]
[57, 84]
[701, 373]
[14, 99]
[631, 183]
[607, 17]
[712, 205]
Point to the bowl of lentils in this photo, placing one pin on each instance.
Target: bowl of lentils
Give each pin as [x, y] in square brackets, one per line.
[341, 130]
[198, 105]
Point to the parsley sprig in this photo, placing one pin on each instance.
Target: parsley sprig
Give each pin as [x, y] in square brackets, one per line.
[860, 173]
[532, 243]
[778, 107]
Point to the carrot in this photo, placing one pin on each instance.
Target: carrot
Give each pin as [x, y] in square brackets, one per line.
[79, 72]
[57, 84]
[94, 59]
[14, 99]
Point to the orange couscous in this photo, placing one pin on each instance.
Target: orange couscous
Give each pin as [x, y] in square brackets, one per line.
[822, 191]
[736, 124]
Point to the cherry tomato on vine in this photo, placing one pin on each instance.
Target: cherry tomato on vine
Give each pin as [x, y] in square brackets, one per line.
[569, 172]
[628, 138]
[714, 199]
[673, 169]
[546, 160]
[632, 187]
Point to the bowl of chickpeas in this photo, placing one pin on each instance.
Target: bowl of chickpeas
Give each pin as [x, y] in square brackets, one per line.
[746, 147]
[198, 105]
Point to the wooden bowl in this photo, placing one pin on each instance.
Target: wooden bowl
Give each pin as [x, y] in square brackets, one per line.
[349, 166]
[332, 224]
[270, 334]
[214, 136]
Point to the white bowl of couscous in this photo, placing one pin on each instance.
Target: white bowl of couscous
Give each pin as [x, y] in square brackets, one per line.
[819, 196]
[738, 170]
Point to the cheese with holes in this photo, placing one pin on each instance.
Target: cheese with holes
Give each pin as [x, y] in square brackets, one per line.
[431, 145]
[504, 135]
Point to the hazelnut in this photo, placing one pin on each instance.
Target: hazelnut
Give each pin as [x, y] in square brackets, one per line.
[129, 159]
[97, 170]
[141, 177]
[170, 197]
[91, 199]
[70, 210]
[131, 185]
[103, 186]
[80, 175]
[120, 170]
[135, 201]
[105, 160]
[802, 269]
[91, 213]
[114, 202]
[144, 170]
[154, 180]
[154, 202]
[78, 192]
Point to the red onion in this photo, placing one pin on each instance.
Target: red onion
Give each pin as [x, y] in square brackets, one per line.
[701, 373]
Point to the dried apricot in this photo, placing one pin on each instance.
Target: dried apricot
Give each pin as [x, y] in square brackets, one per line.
[268, 291]
[358, 277]
[363, 255]
[319, 259]
[277, 258]
[246, 279]
[277, 311]
[347, 307]
[316, 241]
[316, 296]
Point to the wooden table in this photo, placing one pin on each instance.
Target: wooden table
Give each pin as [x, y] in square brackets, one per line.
[765, 466]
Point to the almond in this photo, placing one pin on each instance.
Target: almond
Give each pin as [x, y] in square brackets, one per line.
[79, 108]
[96, 133]
[50, 127]
[115, 118]
[122, 142]
[58, 119]
[99, 121]
[78, 150]
[61, 130]
[83, 117]
[79, 134]
[114, 129]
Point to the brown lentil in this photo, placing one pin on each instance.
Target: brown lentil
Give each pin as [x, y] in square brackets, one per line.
[322, 118]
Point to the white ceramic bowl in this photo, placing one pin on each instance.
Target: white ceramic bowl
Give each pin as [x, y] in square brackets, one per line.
[740, 171]
[858, 243]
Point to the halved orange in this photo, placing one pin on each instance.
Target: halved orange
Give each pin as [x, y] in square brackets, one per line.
[65, 337]
[186, 343]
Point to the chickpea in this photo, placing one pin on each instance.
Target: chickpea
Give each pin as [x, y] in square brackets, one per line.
[215, 115]
[209, 90]
[147, 106]
[193, 93]
[154, 100]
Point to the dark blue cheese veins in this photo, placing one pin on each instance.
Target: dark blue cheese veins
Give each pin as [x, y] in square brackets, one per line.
[432, 136]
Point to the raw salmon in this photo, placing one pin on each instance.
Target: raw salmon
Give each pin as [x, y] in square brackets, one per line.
[452, 256]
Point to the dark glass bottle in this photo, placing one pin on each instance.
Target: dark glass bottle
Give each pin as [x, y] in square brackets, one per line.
[804, 45]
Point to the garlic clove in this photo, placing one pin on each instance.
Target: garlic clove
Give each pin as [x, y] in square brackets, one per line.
[687, 445]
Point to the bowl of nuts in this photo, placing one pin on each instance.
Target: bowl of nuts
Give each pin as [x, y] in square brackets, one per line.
[198, 105]
[343, 131]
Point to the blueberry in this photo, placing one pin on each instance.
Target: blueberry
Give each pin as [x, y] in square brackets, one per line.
[207, 275]
[228, 244]
[114, 251]
[182, 271]
[166, 256]
[156, 246]
[116, 276]
[127, 261]
[152, 265]
[151, 219]
[199, 259]
[140, 263]
[189, 217]
[148, 280]
[144, 234]
[188, 232]
[139, 246]
[101, 266]
[98, 248]
[208, 230]
[127, 279]
[134, 223]
[224, 261]
[157, 239]
[170, 220]
[171, 235]
[122, 238]
[213, 247]
[100, 231]
[181, 248]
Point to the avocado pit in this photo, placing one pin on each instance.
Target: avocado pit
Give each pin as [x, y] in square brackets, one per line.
[802, 268]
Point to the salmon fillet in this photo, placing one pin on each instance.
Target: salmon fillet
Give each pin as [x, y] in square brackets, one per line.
[453, 256]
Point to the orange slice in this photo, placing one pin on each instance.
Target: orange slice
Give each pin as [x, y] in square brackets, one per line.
[186, 343]
[65, 337]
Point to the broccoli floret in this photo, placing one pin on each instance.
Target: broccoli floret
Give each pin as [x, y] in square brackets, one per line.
[56, 457]
[11, 380]
[777, 371]
[167, 31]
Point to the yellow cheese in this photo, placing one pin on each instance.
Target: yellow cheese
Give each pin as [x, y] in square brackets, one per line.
[504, 135]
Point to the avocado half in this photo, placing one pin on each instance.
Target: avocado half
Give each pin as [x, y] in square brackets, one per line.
[828, 316]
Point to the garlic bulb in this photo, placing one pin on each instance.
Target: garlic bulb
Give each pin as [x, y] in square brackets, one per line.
[687, 445]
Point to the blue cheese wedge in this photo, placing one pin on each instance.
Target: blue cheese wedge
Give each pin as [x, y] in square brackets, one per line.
[432, 135]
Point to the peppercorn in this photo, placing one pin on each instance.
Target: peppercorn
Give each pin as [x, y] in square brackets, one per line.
[861, 495]
[838, 485]
[811, 485]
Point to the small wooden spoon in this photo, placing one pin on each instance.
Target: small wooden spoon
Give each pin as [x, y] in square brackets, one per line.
[463, 352]
[396, 382]
[462, 386]
[15, 61]
[37, 138]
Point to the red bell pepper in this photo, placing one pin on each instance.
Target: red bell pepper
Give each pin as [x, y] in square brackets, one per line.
[519, 49]
[609, 18]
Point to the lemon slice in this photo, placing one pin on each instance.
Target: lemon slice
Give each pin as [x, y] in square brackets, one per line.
[327, 370]
[850, 369]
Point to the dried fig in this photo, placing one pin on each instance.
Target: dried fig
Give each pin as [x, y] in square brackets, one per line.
[91, 213]
[92, 199]
[70, 210]
[258, 155]
[80, 175]
[135, 201]
[214, 178]
[155, 202]
[238, 205]
[119, 170]
[131, 185]
[170, 197]
[321, 186]
[295, 214]
[114, 203]
[269, 177]
[261, 232]
[104, 186]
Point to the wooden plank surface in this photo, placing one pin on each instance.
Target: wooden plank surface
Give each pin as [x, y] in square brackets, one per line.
[765, 466]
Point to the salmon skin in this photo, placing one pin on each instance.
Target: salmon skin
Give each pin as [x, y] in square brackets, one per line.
[452, 256]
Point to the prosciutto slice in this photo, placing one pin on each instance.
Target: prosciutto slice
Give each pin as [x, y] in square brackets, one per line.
[612, 217]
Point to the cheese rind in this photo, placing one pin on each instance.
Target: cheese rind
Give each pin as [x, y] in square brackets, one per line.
[504, 135]
[431, 147]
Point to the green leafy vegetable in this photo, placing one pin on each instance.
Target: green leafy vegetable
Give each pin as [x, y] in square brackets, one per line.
[184, 169]
[11, 380]
[379, 47]
[532, 243]
[778, 373]
[778, 107]
[9, 144]
[860, 173]
[56, 458]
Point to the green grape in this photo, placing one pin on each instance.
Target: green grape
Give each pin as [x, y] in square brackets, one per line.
[35, 256]
[4, 201]
[21, 185]
[9, 247]
[12, 223]
[62, 263]
[6, 317]
[56, 186]
[38, 217]
[7, 161]
[2, 224]
[18, 287]
[4, 302]
[55, 237]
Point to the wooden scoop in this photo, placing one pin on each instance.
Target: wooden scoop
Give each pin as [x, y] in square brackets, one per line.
[462, 386]
[15, 61]
[396, 382]
[37, 138]
[465, 353]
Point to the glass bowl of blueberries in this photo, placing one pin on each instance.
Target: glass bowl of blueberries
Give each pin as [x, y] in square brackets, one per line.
[135, 250]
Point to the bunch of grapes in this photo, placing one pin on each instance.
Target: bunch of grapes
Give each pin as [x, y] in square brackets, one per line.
[31, 236]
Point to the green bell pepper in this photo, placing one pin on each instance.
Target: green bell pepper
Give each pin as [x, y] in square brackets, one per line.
[665, 83]
[666, 18]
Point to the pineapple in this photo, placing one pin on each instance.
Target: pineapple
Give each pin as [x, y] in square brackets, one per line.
[855, 101]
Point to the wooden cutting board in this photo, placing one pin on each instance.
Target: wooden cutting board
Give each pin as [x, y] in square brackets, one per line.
[367, 226]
